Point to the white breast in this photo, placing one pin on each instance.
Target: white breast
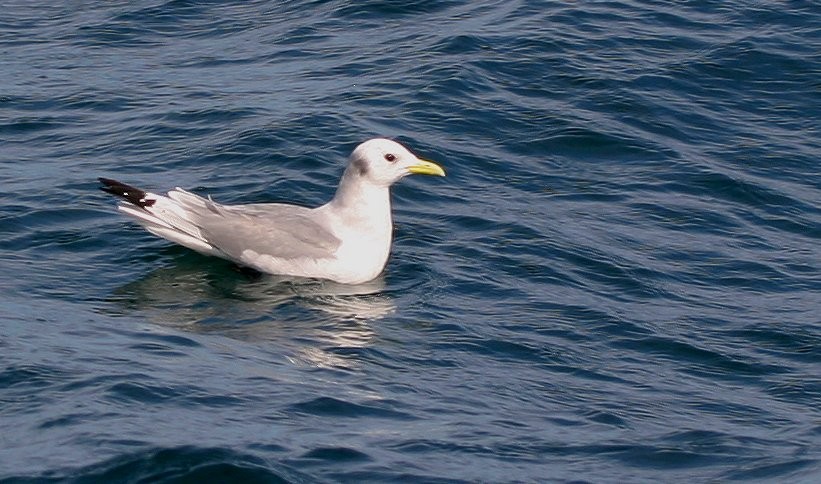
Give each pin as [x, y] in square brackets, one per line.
[362, 257]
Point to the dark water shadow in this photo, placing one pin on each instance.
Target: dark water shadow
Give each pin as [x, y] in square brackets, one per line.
[178, 465]
[208, 296]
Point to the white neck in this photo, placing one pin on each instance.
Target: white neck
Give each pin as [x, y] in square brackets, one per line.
[361, 204]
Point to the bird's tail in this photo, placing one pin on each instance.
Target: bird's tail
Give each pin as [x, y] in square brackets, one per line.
[164, 216]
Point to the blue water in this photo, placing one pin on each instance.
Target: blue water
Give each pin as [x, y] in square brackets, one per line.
[619, 280]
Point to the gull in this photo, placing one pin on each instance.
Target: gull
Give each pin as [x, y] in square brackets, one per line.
[346, 240]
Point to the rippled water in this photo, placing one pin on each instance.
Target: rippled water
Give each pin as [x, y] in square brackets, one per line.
[618, 281]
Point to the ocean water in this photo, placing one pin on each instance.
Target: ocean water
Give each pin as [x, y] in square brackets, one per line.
[618, 281]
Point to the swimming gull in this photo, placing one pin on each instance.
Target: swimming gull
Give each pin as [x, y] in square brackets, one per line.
[346, 240]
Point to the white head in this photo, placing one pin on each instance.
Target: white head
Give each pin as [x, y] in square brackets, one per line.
[383, 162]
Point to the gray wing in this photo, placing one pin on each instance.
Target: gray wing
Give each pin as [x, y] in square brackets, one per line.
[275, 229]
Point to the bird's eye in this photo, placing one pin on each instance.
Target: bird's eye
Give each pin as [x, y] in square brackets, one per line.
[390, 157]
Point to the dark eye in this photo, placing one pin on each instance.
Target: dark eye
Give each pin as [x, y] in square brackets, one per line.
[390, 157]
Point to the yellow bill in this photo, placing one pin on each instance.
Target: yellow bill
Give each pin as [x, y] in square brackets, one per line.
[424, 167]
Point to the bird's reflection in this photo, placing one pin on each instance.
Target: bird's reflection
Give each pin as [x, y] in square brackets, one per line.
[315, 318]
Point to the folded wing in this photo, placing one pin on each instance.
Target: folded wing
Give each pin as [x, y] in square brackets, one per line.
[277, 230]
[281, 231]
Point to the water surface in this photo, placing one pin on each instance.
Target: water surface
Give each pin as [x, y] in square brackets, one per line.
[617, 282]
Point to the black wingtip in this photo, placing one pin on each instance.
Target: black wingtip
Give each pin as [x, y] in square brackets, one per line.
[133, 195]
